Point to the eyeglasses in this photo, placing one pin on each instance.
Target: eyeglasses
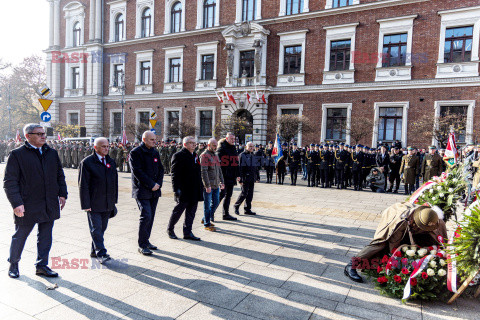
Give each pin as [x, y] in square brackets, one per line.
[40, 134]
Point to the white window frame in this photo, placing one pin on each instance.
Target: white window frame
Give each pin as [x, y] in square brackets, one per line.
[283, 7]
[395, 26]
[396, 104]
[116, 8]
[170, 53]
[462, 17]
[115, 59]
[68, 90]
[197, 122]
[470, 115]
[74, 12]
[334, 33]
[70, 112]
[137, 114]
[112, 111]
[143, 56]
[165, 119]
[325, 106]
[206, 48]
[200, 13]
[287, 39]
[329, 4]
[168, 15]
[140, 7]
[280, 107]
[239, 6]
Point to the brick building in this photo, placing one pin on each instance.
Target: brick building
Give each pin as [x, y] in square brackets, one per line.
[328, 60]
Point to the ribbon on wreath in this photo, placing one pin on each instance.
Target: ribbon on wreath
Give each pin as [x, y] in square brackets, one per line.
[452, 264]
[421, 190]
[420, 265]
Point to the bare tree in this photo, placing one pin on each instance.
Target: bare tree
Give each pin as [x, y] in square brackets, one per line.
[438, 128]
[290, 125]
[181, 130]
[360, 127]
[136, 130]
[67, 131]
[239, 126]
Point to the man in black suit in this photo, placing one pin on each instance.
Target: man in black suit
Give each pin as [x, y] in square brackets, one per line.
[98, 185]
[247, 180]
[35, 187]
[187, 187]
[383, 161]
[228, 156]
[147, 180]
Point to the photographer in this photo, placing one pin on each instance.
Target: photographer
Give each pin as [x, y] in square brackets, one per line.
[376, 180]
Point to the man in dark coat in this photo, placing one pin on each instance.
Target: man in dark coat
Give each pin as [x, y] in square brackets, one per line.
[383, 161]
[228, 156]
[247, 180]
[395, 162]
[294, 157]
[187, 187]
[35, 186]
[147, 180]
[98, 185]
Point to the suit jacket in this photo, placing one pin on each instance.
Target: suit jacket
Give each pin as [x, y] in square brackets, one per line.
[147, 170]
[98, 184]
[186, 176]
[383, 161]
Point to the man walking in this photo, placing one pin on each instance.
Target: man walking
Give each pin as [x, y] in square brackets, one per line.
[187, 188]
[98, 185]
[247, 180]
[212, 179]
[228, 156]
[35, 186]
[147, 180]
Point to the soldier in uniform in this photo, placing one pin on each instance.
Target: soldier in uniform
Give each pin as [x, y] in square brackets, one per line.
[281, 168]
[74, 152]
[431, 164]
[348, 167]
[357, 167]
[112, 153]
[126, 156]
[316, 161]
[259, 161]
[68, 155]
[331, 164]
[163, 151]
[269, 163]
[324, 166]
[395, 162]
[120, 158]
[409, 168]
[310, 157]
[303, 160]
[341, 160]
[294, 158]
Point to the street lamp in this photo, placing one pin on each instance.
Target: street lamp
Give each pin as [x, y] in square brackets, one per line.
[120, 87]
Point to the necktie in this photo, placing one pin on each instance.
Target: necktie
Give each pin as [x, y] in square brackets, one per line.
[103, 161]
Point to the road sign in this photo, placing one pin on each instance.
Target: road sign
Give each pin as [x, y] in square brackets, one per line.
[46, 124]
[153, 130]
[153, 115]
[153, 123]
[45, 116]
[45, 92]
[45, 103]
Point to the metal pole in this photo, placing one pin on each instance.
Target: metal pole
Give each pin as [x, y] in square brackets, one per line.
[9, 108]
[123, 103]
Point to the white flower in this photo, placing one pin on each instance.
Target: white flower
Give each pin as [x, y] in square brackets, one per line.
[442, 262]
[431, 190]
[433, 264]
[439, 188]
[434, 198]
[404, 249]
[454, 179]
[433, 252]
[441, 272]
[413, 248]
[422, 252]
[430, 272]
[450, 190]
[410, 253]
[442, 195]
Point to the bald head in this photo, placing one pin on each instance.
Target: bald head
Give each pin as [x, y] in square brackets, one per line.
[249, 146]
[101, 146]
[212, 145]
[149, 138]
[99, 141]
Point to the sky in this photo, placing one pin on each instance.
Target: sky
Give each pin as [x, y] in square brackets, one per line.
[24, 27]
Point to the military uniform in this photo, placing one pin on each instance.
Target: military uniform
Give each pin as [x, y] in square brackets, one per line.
[310, 158]
[410, 167]
[269, 164]
[120, 158]
[324, 168]
[394, 176]
[357, 169]
[431, 166]
[68, 155]
[74, 152]
[126, 155]
[259, 162]
[341, 160]
[294, 158]
[281, 168]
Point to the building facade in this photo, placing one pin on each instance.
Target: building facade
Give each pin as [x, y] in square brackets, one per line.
[328, 60]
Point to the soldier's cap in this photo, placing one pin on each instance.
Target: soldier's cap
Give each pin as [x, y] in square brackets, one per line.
[270, 142]
[336, 147]
[256, 146]
[347, 146]
[312, 144]
[359, 146]
[432, 147]
[317, 145]
[426, 218]
[285, 144]
[331, 146]
[294, 143]
[410, 148]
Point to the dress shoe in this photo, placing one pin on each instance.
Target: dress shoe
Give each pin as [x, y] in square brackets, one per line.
[229, 217]
[152, 247]
[172, 234]
[46, 271]
[191, 237]
[250, 213]
[145, 251]
[93, 255]
[104, 258]
[352, 273]
[210, 228]
[13, 271]
[237, 212]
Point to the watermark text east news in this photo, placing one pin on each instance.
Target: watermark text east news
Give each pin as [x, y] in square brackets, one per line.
[86, 57]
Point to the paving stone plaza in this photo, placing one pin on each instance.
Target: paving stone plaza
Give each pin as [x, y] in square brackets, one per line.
[285, 263]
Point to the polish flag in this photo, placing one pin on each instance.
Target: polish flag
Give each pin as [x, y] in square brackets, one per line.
[249, 98]
[59, 137]
[17, 138]
[124, 138]
[218, 97]
[263, 98]
[231, 98]
[257, 95]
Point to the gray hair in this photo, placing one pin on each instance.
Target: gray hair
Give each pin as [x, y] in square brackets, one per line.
[29, 127]
[98, 140]
[250, 143]
[185, 140]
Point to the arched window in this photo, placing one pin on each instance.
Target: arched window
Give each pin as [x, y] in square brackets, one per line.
[294, 6]
[176, 17]
[209, 13]
[146, 22]
[76, 34]
[249, 10]
[119, 27]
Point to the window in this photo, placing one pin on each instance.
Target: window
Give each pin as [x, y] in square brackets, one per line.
[75, 77]
[174, 67]
[209, 13]
[394, 50]
[459, 114]
[336, 124]
[248, 10]
[173, 122]
[146, 23]
[117, 75]
[207, 67]
[117, 122]
[145, 72]
[176, 17]
[73, 119]
[290, 111]
[206, 118]
[340, 55]
[294, 6]
[390, 124]
[293, 59]
[341, 3]
[247, 64]
[119, 27]
[458, 44]
[76, 34]
[144, 118]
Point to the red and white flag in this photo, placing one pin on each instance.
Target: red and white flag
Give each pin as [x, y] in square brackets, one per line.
[249, 98]
[229, 96]
[257, 95]
[124, 138]
[263, 98]
[218, 97]
[451, 152]
[17, 138]
[59, 137]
